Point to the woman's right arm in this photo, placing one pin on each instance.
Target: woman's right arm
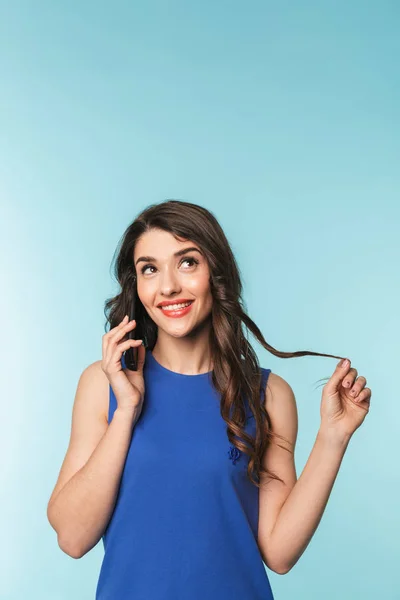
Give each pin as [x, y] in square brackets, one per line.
[85, 494]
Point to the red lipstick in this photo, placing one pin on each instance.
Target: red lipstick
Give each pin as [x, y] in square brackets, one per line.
[177, 301]
[180, 312]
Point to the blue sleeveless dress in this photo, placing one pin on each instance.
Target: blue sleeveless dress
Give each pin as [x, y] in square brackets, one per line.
[186, 516]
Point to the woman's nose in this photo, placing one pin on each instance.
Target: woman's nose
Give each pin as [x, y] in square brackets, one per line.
[168, 284]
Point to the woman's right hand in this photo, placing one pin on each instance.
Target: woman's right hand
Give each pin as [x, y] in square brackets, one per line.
[128, 386]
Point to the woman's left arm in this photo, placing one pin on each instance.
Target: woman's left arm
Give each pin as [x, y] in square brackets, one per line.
[301, 512]
[345, 403]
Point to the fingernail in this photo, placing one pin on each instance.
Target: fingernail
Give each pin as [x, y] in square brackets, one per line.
[345, 364]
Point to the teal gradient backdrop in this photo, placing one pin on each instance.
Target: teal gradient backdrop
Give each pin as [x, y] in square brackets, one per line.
[283, 119]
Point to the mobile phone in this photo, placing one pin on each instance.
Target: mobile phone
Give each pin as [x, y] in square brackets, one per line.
[131, 355]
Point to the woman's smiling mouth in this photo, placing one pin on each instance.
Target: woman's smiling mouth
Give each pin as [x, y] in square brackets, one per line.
[178, 309]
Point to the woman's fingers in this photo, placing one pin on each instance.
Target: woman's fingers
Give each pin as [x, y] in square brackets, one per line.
[117, 333]
[349, 379]
[120, 349]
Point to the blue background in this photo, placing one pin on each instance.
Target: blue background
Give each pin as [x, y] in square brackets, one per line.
[283, 119]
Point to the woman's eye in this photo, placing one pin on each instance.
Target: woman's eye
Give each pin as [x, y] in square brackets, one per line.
[143, 269]
[190, 260]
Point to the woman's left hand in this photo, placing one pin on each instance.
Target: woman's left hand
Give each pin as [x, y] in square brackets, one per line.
[345, 401]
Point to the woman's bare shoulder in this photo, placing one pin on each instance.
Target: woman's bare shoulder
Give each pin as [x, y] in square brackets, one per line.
[95, 376]
[281, 406]
[277, 388]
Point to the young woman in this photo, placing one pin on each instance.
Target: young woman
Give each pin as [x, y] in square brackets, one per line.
[177, 466]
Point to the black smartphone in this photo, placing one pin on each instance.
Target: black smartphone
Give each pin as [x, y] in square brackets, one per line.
[131, 354]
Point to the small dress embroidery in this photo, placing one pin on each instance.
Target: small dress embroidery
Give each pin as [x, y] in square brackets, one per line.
[234, 454]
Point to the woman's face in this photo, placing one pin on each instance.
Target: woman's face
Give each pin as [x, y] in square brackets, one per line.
[163, 276]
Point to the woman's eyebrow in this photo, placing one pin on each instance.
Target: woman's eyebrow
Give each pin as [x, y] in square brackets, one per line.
[179, 253]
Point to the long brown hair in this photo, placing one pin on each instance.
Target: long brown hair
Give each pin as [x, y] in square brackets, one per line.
[236, 370]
